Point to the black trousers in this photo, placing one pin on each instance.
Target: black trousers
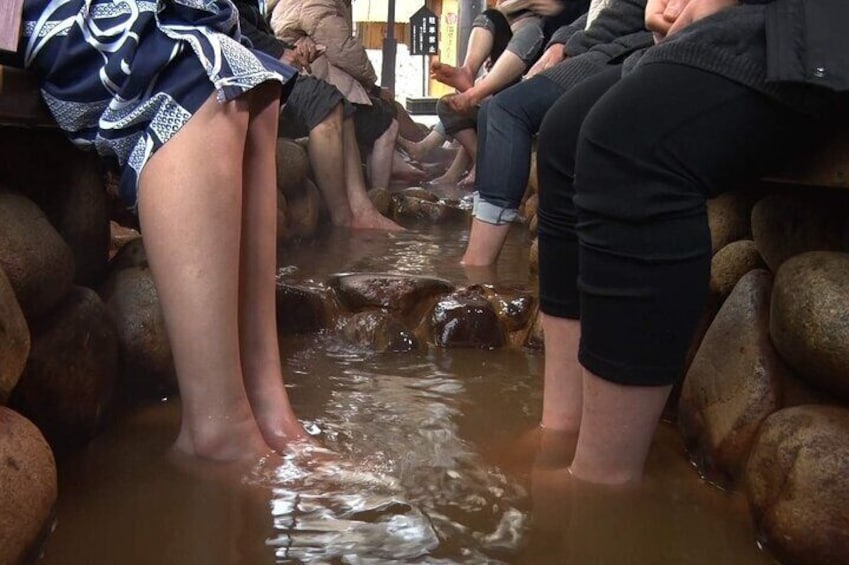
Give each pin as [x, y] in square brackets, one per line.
[625, 169]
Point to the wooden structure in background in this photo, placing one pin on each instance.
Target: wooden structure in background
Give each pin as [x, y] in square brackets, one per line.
[10, 24]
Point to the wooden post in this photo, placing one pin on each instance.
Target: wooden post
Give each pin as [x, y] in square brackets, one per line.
[10, 24]
[390, 49]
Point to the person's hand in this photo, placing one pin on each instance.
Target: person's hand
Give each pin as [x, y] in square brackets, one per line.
[545, 7]
[695, 10]
[661, 14]
[308, 49]
[386, 95]
[667, 17]
[292, 58]
[554, 55]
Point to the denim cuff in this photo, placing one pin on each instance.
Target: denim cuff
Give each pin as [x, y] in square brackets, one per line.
[492, 213]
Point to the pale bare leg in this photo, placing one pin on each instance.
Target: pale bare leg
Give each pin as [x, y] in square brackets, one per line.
[468, 181]
[402, 170]
[459, 165]
[462, 78]
[418, 150]
[187, 197]
[257, 320]
[326, 157]
[617, 426]
[485, 243]
[506, 69]
[364, 214]
[379, 162]
[563, 394]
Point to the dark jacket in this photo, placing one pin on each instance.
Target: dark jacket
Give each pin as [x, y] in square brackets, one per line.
[256, 28]
[808, 42]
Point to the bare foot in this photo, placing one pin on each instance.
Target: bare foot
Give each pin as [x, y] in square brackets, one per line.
[460, 78]
[409, 174]
[469, 180]
[222, 440]
[373, 220]
[464, 102]
[413, 148]
[447, 178]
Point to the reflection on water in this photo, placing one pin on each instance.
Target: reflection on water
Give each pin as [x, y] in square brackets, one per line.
[426, 458]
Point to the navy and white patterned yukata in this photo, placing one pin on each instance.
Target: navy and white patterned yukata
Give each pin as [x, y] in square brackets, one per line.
[123, 76]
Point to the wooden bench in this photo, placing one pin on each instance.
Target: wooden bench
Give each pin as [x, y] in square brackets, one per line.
[20, 100]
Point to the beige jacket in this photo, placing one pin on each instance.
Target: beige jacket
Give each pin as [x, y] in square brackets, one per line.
[345, 64]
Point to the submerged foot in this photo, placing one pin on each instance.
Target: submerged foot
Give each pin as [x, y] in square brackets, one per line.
[460, 78]
[374, 220]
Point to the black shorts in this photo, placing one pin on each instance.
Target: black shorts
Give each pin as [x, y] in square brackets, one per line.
[309, 104]
[370, 122]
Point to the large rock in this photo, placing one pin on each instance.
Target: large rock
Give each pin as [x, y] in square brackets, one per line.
[381, 199]
[14, 339]
[379, 331]
[416, 208]
[302, 211]
[293, 166]
[784, 225]
[37, 261]
[514, 306]
[304, 307]
[147, 364]
[728, 218]
[733, 384]
[400, 293]
[730, 264]
[465, 318]
[27, 488]
[796, 482]
[809, 322]
[68, 382]
[68, 186]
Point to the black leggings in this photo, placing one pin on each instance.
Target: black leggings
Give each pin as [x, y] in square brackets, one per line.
[625, 168]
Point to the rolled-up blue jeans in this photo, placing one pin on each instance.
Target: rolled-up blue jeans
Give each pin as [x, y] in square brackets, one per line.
[507, 124]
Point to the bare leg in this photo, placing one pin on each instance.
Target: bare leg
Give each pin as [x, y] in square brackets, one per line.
[257, 320]
[459, 165]
[326, 158]
[462, 78]
[506, 69]
[364, 214]
[187, 197]
[468, 181]
[380, 160]
[418, 150]
[485, 243]
[402, 170]
[617, 426]
[407, 126]
[562, 398]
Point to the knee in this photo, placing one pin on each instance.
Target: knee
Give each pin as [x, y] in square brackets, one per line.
[332, 122]
[388, 137]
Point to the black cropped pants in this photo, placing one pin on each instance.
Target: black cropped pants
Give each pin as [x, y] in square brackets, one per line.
[625, 169]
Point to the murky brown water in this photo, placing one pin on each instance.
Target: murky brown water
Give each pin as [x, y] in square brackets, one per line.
[435, 462]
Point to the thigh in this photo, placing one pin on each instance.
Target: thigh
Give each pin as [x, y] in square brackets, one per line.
[668, 136]
[371, 121]
[454, 121]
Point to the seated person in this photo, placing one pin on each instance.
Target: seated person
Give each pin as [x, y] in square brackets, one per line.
[510, 119]
[511, 43]
[511, 38]
[627, 161]
[196, 150]
[317, 109]
[346, 66]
